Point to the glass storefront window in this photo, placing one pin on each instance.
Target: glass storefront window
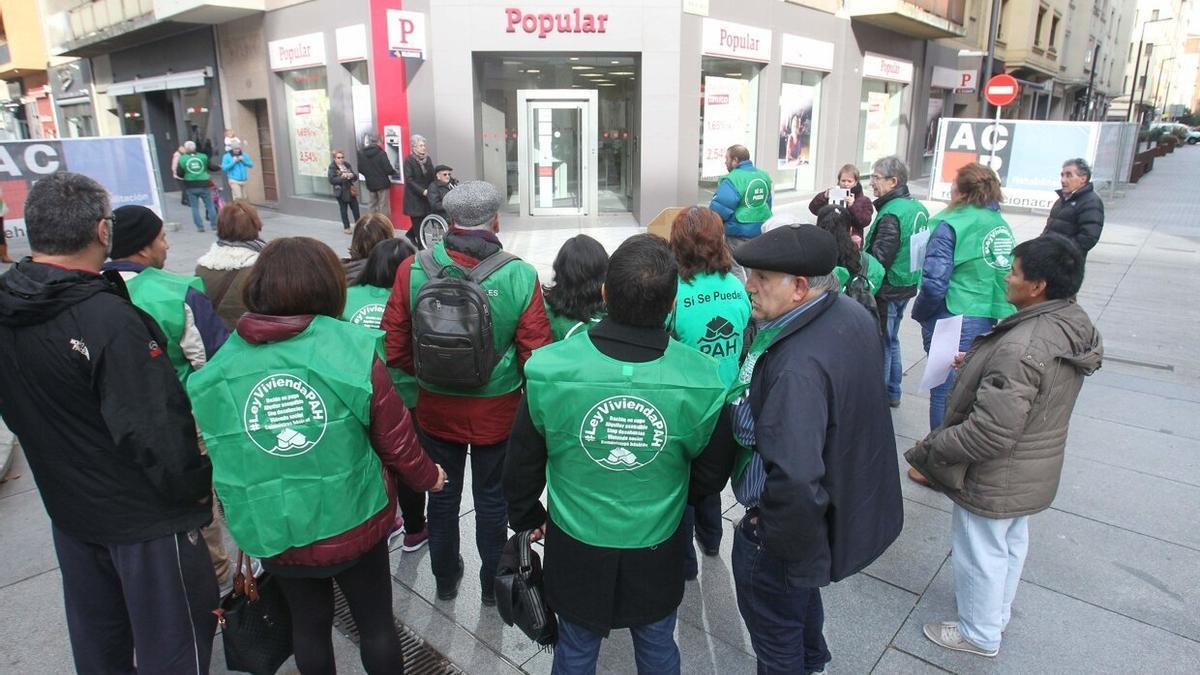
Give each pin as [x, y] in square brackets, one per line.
[360, 102]
[728, 116]
[937, 107]
[879, 121]
[799, 120]
[307, 100]
[133, 120]
[79, 120]
[197, 106]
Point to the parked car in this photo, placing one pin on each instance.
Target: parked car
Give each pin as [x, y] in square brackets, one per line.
[1192, 136]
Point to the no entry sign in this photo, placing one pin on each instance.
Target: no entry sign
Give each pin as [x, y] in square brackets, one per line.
[1001, 90]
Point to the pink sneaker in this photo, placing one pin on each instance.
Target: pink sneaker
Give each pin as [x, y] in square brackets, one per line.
[415, 540]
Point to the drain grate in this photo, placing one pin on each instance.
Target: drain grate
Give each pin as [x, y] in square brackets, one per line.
[419, 657]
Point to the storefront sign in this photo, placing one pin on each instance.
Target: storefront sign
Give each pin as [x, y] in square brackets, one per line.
[310, 129]
[574, 21]
[961, 81]
[735, 41]
[122, 164]
[302, 51]
[351, 43]
[728, 120]
[802, 52]
[879, 67]
[406, 34]
[71, 80]
[1017, 150]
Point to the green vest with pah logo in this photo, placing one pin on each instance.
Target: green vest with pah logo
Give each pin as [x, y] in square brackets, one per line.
[194, 167]
[286, 424]
[913, 218]
[364, 307]
[983, 245]
[754, 187]
[162, 295]
[711, 314]
[620, 437]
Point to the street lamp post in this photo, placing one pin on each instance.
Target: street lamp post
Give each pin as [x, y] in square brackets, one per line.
[993, 33]
[1158, 85]
[1137, 65]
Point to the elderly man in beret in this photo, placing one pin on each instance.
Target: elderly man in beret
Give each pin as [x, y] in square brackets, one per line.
[817, 472]
[451, 419]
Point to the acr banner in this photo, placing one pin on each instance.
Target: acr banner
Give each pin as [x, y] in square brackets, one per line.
[1026, 154]
[122, 164]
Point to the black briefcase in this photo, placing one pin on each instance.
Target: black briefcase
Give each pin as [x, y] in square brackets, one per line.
[519, 593]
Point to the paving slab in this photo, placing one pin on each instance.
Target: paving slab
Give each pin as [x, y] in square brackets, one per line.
[1051, 633]
[19, 478]
[453, 639]
[28, 548]
[1173, 458]
[915, 557]
[896, 662]
[33, 632]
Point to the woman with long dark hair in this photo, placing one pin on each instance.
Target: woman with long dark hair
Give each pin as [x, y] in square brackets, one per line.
[369, 230]
[574, 303]
[852, 262]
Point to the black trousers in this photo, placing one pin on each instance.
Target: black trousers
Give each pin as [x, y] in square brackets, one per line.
[353, 206]
[154, 598]
[367, 585]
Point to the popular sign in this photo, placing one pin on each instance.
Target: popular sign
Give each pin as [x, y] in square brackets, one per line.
[406, 34]
[302, 51]
[736, 41]
[545, 23]
[122, 164]
[1026, 155]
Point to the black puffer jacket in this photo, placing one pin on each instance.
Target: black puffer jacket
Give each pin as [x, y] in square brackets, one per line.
[883, 242]
[376, 168]
[1078, 216]
[91, 393]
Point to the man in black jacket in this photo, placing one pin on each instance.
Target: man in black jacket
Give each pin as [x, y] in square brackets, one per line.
[377, 169]
[818, 473]
[616, 423]
[1078, 214]
[109, 436]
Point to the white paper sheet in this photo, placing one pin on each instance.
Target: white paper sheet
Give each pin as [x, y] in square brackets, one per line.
[942, 350]
[916, 249]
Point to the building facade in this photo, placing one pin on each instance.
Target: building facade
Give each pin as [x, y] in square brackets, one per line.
[26, 110]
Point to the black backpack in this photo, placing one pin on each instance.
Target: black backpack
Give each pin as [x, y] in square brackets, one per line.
[859, 289]
[452, 323]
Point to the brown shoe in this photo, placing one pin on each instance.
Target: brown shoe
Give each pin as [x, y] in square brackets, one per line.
[919, 478]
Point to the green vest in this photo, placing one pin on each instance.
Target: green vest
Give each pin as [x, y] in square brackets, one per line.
[563, 327]
[364, 307]
[875, 273]
[162, 295]
[913, 218]
[508, 291]
[754, 187]
[194, 166]
[711, 313]
[620, 437]
[287, 428]
[983, 245]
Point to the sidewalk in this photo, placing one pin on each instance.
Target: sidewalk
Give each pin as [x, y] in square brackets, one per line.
[1111, 583]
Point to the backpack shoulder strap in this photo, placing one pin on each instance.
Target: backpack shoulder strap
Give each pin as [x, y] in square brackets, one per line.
[577, 326]
[433, 269]
[489, 265]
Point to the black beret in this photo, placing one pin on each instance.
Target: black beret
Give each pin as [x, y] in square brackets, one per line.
[135, 227]
[442, 167]
[802, 250]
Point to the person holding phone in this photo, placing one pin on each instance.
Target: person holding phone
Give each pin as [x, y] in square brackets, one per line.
[849, 193]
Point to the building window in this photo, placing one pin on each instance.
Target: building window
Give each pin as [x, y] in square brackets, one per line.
[307, 99]
[1053, 32]
[879, 121]
[728, 116]
[1154, 15]
[1037, 30]
[799, 122]
[1000, 26]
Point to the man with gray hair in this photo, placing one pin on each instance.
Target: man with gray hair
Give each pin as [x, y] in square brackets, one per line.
[193, 168]
[817, 471]
[898, 216]
[107, 429]
[377, 169]
[1078, 214]
[454, 417]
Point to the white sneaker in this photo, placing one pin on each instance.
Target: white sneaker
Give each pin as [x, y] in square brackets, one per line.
[945, 634]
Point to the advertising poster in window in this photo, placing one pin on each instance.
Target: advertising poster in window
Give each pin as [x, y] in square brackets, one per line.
[879, 137]
[795, 125]
[728, 120]
[933, 117]
[1017, 150]
[310, 131]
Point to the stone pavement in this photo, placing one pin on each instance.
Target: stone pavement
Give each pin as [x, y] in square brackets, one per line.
[1111, 583]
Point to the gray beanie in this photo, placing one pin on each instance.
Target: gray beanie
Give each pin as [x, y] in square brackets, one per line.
[472, 203]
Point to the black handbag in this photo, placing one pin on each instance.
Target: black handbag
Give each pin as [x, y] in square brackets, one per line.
[519, 594]
[256, 625]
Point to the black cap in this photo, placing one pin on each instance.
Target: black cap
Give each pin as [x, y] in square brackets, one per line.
[135, 227]
[442, 167]
[802, 250]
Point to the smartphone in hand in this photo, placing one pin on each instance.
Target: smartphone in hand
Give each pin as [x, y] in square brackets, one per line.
[838, 195]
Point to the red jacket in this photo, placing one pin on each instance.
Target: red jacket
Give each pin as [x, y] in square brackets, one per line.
[392, 437]
[462, 419]
[862, 210]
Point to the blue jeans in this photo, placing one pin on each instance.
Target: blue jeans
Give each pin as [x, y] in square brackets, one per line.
[972, 327]
[785, 620]
[654, 648]
[893, 367]
[491, 511]
[704, 523]
[196, 194]
[989, 554]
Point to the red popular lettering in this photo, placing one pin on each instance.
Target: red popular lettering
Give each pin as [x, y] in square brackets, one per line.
[575, 21]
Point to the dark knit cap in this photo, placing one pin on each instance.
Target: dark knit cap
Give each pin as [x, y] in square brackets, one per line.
[801, 250]
[135, 227]
[442, 167]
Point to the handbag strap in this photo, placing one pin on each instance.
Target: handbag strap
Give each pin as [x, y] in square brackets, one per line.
[525, 553]
[244, 582]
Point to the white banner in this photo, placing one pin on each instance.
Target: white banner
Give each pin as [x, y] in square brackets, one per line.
[310, 126]
[728, 120]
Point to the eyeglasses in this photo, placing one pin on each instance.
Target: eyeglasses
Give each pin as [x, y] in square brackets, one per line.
[111, 218]
[877, 177]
